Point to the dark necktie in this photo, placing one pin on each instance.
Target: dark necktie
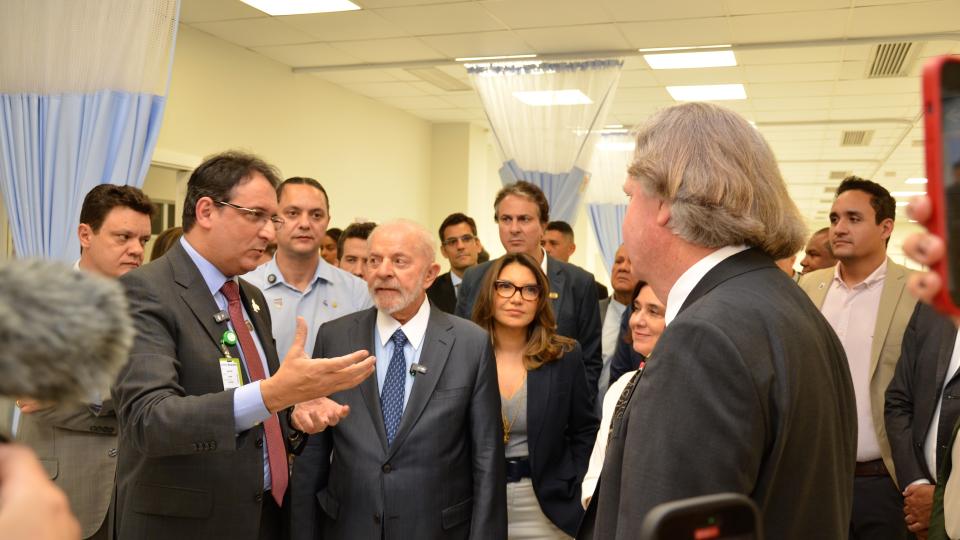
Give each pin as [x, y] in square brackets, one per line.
[276, 451]
[625, 399]
[391, 397]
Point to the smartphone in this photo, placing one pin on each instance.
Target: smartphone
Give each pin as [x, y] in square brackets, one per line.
[724, 516]
[941, 111]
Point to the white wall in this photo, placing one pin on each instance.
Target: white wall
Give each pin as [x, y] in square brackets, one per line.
[373, 160]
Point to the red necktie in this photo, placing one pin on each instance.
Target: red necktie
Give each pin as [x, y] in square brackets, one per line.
[276, 451]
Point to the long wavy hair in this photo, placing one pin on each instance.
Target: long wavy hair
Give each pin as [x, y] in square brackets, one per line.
[544, 345]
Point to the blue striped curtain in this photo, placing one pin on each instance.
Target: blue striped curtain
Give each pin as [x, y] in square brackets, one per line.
[607, 221]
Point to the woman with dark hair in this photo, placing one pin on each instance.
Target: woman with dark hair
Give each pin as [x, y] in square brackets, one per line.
[547, 411]
[328, 248]
[646, 324]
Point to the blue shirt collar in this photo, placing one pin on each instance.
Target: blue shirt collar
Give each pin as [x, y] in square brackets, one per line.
[212, 275]
[324, 272]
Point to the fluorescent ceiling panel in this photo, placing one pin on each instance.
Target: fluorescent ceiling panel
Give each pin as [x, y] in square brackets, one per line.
[546, 98]
[708, 92]
[690, 60]
[916, 181]
[506, 57]
[300, 7]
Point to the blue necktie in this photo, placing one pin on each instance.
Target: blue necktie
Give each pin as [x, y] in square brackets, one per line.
[391, 397]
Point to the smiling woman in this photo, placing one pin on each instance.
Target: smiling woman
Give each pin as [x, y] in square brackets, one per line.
[539, 373]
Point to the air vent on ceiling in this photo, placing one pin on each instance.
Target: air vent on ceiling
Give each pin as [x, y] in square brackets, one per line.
[890, 174]
[839, 175]
[439, 79]
[890, 60]
[859, 137]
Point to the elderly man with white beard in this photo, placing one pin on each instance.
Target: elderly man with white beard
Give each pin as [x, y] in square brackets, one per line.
[421, 454]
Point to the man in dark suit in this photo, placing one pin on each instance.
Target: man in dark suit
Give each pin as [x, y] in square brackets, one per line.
[522, 212]
[459, 245]
[921, 409]
[559, 242]
[203, 446]
[421, 454]
[747, 390]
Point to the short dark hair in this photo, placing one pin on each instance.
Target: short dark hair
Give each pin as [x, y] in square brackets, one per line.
[103, 198]
[561, 227]
[165, 241]
[354, 230]
[884, 205]
[334, 232]
[218, 176]
[303, 181]
[526, 190]
[456, 219]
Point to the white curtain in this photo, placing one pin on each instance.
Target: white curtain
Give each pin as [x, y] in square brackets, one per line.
[83, 85]
[546, 117]
[606, 202]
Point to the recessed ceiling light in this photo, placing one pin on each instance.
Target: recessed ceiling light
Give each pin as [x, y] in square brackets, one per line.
[689, 60]
[481, 58]
[916, 181]
[300, 7]
[708, 92]
[545, 98]
[907, 193]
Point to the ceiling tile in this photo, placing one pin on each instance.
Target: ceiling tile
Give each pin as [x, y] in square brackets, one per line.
[192, 11]
[752, 7]
[898, 85]
[596, 37]
[255, 32]
[463, 100]
[416, 102]
[377, 4]
[656, 93]
[792, 89]
[798, 55]
[855, 69]
[540, 13]
[442, 19]
[382, 90]
[821, 71]
[347, 25]
[389, 50]
[724, 75]
[791, 104]
[632, 10]
[677, 33]
[790, 116]
[779, 27]
[356, 76]
[311, 54]
[635, 78]
[478, 44]
[905, 19]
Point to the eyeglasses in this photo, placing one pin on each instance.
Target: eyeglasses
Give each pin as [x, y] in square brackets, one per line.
[254, 214]
[505, 289]
[452, 241]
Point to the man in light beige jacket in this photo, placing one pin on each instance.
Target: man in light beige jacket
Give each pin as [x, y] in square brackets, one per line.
[866, 302]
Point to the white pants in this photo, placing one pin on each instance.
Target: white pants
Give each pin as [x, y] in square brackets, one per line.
[525, 520]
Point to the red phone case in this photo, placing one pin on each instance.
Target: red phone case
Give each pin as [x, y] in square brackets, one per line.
[933, 135]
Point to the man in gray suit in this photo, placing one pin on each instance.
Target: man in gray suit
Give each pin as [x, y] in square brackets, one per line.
[421, 454]
[77, 443]
[747, 390]
[204, 437]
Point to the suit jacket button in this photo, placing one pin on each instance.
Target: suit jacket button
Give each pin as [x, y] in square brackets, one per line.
[376, 518]
[258, 497]
[259, 443]
[213, 445]
[386, 468]
[112, 452]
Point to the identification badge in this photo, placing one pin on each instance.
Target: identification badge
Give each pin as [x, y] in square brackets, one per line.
[230, 373]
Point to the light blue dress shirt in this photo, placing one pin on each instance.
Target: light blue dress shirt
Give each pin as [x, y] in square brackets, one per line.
[414, 329]
[248, 407]
[331, 294]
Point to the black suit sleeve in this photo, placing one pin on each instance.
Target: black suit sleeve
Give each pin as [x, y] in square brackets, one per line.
[898, 408]
[588, 330]
[583, 423]
[311, 470]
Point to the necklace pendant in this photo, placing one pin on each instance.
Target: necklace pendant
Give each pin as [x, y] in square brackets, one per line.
[506, 438]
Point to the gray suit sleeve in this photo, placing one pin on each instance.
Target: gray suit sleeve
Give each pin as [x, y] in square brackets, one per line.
[703, 392]
[898, 408]
[489, 520]
[154, 412]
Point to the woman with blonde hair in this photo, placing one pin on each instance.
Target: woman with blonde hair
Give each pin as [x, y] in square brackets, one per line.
[547, 408]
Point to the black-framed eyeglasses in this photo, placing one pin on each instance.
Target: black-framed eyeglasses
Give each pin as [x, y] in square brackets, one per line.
[452, 241]
[505, 289]
[254, 214]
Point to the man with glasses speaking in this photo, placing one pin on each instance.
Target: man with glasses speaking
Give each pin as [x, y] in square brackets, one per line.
[459, 245]
[201, 404]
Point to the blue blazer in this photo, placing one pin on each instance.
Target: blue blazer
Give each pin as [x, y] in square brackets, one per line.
[562, 426]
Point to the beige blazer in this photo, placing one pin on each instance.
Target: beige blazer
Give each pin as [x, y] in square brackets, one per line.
[79, 451]
[896, 307]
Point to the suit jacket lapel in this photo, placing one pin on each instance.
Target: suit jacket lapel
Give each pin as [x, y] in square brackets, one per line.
[819, 294]
[745, 261]
[362, 337]
[557, 280]
[948, 337]
[195, 292]
[539, 383]
[893, 289]
[437, 343]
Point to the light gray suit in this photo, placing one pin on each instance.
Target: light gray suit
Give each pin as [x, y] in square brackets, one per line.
[443, 476]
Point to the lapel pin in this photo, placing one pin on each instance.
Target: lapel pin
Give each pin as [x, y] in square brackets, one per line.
[278, 302]
[553, 295]
[271, 278]
[256, 308]
[249, 325]
[822, 285]
[220, 316]
[334, 304]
